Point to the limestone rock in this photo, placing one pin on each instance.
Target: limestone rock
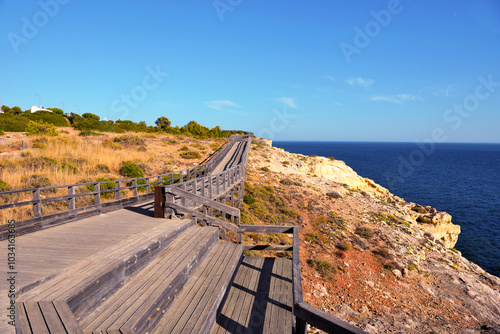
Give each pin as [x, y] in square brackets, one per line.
[440, 225]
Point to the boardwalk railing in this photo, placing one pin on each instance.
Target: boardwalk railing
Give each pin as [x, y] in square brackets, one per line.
[216, 213]
[141, 191]
[303, 312]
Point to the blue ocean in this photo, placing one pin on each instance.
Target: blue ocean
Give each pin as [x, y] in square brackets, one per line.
[461, 179]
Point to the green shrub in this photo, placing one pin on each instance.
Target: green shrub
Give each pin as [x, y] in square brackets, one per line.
[40, 143]
[172, 142]
[41, 129]
[50, 160]
[191, 155]
[36, 181]
[345, 246]
[287, 182]
[4, 186]
[315, 238]
[101, 168]
[103, 186]
[68, 167]
[131, 169]
[265, 169]
[364, 232]
[323, 267]
[184, 148]
[1, 132]
[142, 148]
[86, 133]
[133, 140]
[117, 140]
[248, 199]
[109, 144]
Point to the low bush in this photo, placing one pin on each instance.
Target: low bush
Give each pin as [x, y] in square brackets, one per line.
[86, 133]
[40, 143]
[109, 144]
[133, 140]
[40, 128]
[103, 186]
[142, 148]
[364, 232]
[248, 199]
[131, 169]
[4, 186]
[315, 238]
[191, 155]
[345, 246]
[50, 160]
[323, 267]
[101, 168]
[36, 181]
[69, 168]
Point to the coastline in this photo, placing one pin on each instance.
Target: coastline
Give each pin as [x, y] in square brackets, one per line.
[403, 276]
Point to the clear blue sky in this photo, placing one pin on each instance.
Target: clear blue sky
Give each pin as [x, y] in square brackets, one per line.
[291, 70]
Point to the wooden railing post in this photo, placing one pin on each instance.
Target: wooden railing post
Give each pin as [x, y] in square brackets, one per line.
[300, 326]
[134, 189]
[148, 186]
[97, 193]
[118, 190]
[71, 202]
[159, 206]
[37, 206]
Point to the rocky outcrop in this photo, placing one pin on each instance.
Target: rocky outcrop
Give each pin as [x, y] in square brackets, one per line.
[434, 222]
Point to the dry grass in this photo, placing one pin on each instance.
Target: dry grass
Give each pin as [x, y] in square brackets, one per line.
[69, 159]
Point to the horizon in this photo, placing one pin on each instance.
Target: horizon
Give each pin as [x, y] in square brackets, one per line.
[383, 71]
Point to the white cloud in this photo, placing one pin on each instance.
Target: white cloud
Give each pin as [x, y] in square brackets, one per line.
[288, 102]
[398, 98]
[365, 83]
[221, 104]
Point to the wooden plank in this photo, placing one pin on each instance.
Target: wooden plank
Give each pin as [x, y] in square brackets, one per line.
[143, 320]
[249, 301]
[22, 323]
[266, 229]
[67, 318]
[35, 317]
[325, 321]
[146, 282]
[269, 247]
[211, 301]
[51, 317]
[196, 309]
[226, 312]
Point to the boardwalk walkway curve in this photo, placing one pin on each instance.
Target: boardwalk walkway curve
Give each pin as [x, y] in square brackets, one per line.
[163, 273]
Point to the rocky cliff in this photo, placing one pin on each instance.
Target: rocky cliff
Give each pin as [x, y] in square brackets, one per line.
[370, 257]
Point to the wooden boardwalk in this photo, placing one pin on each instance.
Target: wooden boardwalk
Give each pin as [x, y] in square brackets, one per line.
[260, 298]
[43, 254]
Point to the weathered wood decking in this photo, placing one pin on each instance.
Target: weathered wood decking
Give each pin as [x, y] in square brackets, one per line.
[260, 299]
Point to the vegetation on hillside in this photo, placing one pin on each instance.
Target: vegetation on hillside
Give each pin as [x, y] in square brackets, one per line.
[15, 120]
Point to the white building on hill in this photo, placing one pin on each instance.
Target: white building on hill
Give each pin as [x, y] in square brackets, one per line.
[36, 108]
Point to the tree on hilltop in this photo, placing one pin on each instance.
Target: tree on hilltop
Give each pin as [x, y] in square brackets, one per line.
[163, 122]
[91, 116]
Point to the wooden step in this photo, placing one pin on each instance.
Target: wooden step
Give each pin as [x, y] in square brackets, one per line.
[138, 306]
[195, 310]
[84, 286]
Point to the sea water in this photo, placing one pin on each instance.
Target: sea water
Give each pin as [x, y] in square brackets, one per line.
[461, 179]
